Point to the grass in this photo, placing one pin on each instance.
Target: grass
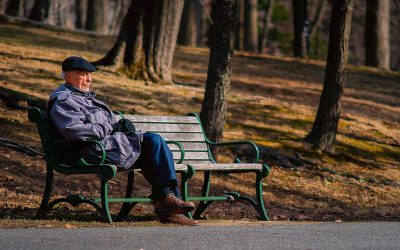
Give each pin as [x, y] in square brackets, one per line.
[272, 101]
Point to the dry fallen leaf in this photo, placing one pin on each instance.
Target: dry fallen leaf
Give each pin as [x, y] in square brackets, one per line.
[70, 226]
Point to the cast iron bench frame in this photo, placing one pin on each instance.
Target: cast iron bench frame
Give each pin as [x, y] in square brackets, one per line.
[191, 149]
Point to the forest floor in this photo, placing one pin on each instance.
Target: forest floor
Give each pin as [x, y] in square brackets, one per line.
[272, 101]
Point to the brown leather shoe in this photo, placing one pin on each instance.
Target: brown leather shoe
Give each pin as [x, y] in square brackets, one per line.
[179, 219]
[172, 205]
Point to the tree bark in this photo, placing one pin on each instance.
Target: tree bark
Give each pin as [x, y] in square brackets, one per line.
[97, 16]
[377, 34]
[40, 10]
[250, 42]
[323, 133]
[318, 16]
[263, 38]
[215, 103]
[187, 30]
[146, 43]
[240, 26]
[202, 18]
[60, 14]
[15, 8]
[114, 22]
[80, 12]
[300, 24]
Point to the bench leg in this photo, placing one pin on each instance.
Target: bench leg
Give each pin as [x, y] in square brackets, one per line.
[106, 216]
[185, 176]
[204, 193]
[44, 205]
[260, 200]
[127, 207]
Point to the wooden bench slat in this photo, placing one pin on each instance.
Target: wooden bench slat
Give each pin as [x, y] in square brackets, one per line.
[222, 166]
[196, 137]
[191, 155]
[156, 127]
[162, 119]
[189, 146]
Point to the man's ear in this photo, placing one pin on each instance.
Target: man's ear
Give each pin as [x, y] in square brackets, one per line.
[68, 76]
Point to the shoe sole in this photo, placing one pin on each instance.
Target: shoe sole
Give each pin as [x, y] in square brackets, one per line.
[179, 210]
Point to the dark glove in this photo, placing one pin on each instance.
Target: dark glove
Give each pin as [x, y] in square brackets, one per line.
[124, 125]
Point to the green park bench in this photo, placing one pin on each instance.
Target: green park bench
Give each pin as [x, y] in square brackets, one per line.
[191, 150]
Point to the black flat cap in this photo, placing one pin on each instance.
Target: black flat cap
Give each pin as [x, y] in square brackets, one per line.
[77, 63]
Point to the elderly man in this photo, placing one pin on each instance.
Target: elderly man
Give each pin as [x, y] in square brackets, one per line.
[79, 116]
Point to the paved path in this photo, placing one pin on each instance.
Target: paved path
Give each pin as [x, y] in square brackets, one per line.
[376, 235]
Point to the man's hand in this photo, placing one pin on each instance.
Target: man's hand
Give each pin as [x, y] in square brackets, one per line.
[124, 125]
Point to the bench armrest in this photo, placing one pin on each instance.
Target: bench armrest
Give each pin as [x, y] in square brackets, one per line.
[121, 115]
[82, 161]
[180, 148]
[236, 143]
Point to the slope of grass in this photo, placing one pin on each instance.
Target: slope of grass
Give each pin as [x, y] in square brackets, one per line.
[272, 101]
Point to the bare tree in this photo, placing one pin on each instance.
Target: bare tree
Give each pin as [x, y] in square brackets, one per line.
[377, 30]
[240, 26]
[323, 133]
[55, 12]
[263, 37]
[146, 42]
[80, 12]
[250, 26]
[97, 16]
[316, 21]
[300, 24]
[215, 103]
[60, 14]
[187, 31]
[40, 10]
[15, 8]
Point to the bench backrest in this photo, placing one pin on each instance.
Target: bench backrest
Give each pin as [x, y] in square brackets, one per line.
[186, 130]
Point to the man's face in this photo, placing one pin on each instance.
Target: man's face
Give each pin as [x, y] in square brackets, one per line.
[79, 79]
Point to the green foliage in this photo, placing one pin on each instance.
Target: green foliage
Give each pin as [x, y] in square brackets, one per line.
[284, 40]
[318, 48]
[280, 13]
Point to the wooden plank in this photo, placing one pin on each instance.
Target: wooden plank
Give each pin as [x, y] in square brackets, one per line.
[189, 146]
[181, 167]
[162, 119]
[156, 127]
[197, 137]
[191, 155]
[226, 166]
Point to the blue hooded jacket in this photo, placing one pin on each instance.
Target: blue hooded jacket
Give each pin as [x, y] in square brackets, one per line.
[79, 116]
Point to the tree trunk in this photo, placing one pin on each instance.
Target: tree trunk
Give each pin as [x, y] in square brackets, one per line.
[202, 19]
[15, 8]
[318, 16]
[97, 16]
[115, 17]
[377, 38]
[323, 133]
[60, 14]
[146, 43]
[80, 12]
[300, 25]
[187, 30]
[263, 38]
[40, 10]
[250, 26]
[240, 26]
[215, 103]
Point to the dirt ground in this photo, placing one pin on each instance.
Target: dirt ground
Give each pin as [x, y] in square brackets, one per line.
[272, 101]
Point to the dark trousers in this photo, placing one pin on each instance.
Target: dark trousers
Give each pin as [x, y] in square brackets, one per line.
[157, 165]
